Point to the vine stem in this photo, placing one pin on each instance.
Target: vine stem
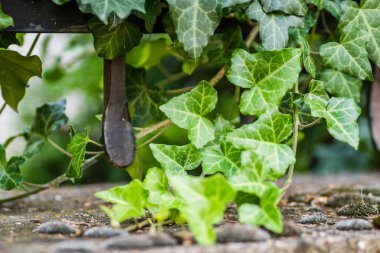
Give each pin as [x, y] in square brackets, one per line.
[145, 131]
[57, 147]
[3, 108]
[315, 122]
[53, 183]
[296, 123]
[33, 44]
[163, 130]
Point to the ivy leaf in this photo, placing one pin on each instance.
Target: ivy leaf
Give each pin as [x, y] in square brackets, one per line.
[205, 200]
[157, 184]
[77, 148]
[333, 6]
[128, 200]
[7, 39]
[318, 3]
[33, 146]
[15, 74]
[112, 41]
[340, 113]
[10, 173]
[195, 21]
[268, 74]
[111, 11]
[273, 26]
[251, 177]
[176, 160]
[296, 7]
[308, 60]
[264, 137]
[340, 84]
[49, 118]
[5, 20]
[267, 214]
[221, 158]
[350, 56]
[152, 10]
[188, 110]
[143, 98]
[366, 18]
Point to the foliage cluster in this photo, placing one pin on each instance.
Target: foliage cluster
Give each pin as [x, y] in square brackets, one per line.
[298, 74]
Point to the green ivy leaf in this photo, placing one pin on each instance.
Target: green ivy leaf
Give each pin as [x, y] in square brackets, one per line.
[144, 99]
[264, 137]
[128, 200]
[350, 56]
[268, 74]
[267, 214]
[10, 173]
[273, 26]
[188, 110]
[333, 6]
[33, 146]
[15, 74]
[176, 160]
[251, 177]
[111, 11]
[152, 10]
[205, 200]
[318, 3]
[7, 39]
[340, 113]
[223, 158]
[5, 20]
[49, 118]
[112, 41]
[308, 60]
[159, 198]
[366, 18]
[295, 7]
[340, 84]
[195, 21]
[60, 2]
[77, 148]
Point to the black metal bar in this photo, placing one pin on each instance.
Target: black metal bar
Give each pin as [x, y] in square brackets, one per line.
[118, 135]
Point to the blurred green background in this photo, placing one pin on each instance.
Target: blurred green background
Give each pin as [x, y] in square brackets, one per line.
[72, 71]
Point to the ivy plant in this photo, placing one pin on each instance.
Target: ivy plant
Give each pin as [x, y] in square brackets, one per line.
[301, 63]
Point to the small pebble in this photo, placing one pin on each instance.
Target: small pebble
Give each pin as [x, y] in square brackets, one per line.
[75, 247]
[354, 224]
[241, 233]
[300, 198]
[342, 199]
[313, 219]
[358, 210]
[55, 227]
[104, 232]
[128, 242]
[291, 229]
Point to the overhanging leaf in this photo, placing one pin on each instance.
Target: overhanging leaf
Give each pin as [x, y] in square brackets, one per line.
[49, 118]
[195, 21]
[268, 74]
[267, 214]
[340, 113]
[5, 20]
[10, 173]
[205, 200]
[273, 26]
[176, 160]
[188, 110]
[113, 41]
[296, 7]
[350, 56]
[264, 137]
[340, 84]
[15, 74]
[77, 148]
[111, 11]
[366, 18]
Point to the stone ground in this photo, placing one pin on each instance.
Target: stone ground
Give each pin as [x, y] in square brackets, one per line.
[310, 210]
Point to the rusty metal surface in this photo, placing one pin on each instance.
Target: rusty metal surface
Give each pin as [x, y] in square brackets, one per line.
[374, 110]
[44, 16]
[117, 129]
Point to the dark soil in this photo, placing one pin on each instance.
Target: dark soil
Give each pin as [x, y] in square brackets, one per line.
[315, 201]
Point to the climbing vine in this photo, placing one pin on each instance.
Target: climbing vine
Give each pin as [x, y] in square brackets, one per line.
[293, 64]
